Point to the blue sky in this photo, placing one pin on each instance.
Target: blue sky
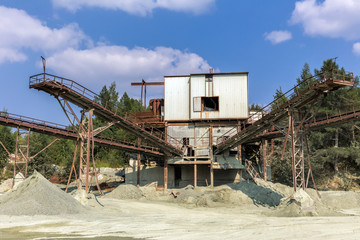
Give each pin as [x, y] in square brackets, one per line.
[98, 42]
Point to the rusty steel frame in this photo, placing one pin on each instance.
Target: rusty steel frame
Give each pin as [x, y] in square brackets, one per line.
[324, 83]
[87, 99]
[85, 131]
[26, 157]
[314, 124]
[297, 151]
[61, 131]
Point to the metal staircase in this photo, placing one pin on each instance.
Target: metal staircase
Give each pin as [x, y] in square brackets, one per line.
[251, 170]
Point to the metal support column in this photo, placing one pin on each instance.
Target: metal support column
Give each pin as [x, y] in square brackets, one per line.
[297, 153]
[195, 153]
[165, 174]
[16, 153]
[264, 144]
[211, 142]
[138, 163]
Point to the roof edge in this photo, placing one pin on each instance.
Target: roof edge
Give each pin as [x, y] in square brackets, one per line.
[197, 74]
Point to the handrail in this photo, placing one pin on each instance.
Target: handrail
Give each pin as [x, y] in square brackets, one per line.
[32, 120]
[20, 118]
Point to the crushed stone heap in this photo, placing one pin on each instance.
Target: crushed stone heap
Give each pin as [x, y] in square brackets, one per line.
[125, 191]
[37, 196]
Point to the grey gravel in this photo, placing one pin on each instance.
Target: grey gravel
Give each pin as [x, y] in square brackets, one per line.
[37, 196]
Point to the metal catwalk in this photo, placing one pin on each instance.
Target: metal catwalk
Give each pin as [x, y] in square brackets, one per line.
[86, 99]
[61, 131]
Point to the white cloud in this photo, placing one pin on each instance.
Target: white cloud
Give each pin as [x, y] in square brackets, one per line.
[70, 53]
[102, 65]
[276, 37]
[328, 18]
[138, 7]
[356, 48]
[20, 31]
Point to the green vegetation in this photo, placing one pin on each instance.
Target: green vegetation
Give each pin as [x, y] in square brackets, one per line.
[334, 151]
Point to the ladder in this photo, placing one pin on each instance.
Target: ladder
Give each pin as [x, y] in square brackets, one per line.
[251, 170]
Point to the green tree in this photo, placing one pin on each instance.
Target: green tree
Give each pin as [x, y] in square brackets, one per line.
[8, 139]
[305, 80]
[332, 148]
[106, 156]
[279, 98]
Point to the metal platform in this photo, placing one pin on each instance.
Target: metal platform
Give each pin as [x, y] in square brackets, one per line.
[61, 131]
[87, 99]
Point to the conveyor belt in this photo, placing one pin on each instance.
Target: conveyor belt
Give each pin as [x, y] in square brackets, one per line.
[86, 99]
[311, 125]
[296, 101]
[60, 131]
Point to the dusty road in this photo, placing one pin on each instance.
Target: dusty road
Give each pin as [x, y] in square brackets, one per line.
[152, 220]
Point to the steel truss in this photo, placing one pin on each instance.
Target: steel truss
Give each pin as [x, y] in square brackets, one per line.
[21, 155]
[85, 142]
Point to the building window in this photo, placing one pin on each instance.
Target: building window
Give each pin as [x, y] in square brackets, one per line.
[205, 104]
[208, 78]
[186, 141]
[210, 103]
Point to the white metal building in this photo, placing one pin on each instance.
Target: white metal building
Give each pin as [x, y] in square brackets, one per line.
[216, 96]
[199, 110]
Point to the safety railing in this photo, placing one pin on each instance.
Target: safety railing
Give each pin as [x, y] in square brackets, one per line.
[19, 118]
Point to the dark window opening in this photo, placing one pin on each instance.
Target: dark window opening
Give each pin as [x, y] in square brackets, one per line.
[177, 170]
[186, 141]
[208, 78]
[210, 103]
[190, 151]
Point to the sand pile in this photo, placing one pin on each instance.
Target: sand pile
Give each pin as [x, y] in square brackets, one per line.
[37, 196]
[341, 200]
[125, 191]
[222, 196]
[207, 197]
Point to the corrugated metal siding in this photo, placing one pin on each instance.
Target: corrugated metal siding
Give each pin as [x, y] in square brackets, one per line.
[219, 132]
[177, 98]
[232, 90]
[233, 95]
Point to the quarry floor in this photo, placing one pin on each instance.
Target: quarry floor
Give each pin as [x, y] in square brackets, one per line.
[132, 219]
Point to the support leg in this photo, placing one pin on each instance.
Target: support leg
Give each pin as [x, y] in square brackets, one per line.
[138, 163]
[264, 154]
[165, 174]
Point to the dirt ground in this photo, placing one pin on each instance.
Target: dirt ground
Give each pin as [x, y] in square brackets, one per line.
[237, 211]
[151, 220]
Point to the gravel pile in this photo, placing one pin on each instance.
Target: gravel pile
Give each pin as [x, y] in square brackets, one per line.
[37, 196]
[125, 191]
